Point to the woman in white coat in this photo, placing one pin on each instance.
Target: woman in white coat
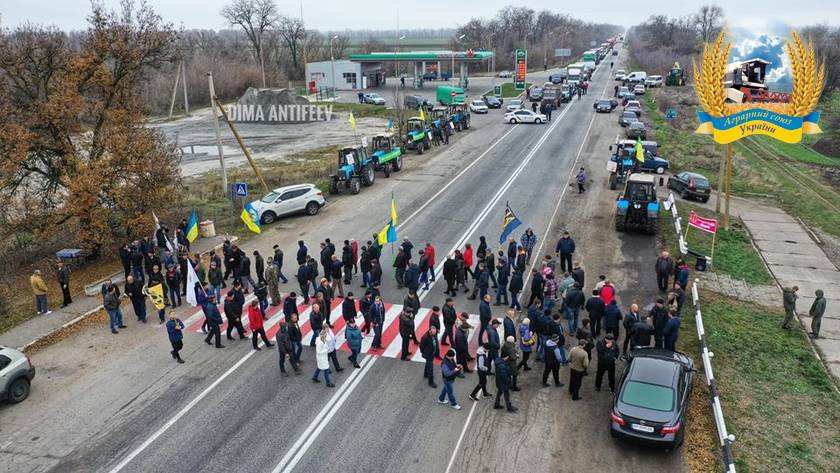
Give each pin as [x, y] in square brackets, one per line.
[322, 359]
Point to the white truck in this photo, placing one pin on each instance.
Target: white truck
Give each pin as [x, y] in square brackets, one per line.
[574, 73]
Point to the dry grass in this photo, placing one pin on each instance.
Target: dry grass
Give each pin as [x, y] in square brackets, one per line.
[98, 319]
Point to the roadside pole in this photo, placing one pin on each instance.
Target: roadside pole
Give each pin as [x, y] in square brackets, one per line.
[174, 91]
[728, 184]
[218, 133]
[721, 183]
[184, 81]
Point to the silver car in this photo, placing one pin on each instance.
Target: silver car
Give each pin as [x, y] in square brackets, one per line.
[525, 116]
[16, 373]
[514, 105]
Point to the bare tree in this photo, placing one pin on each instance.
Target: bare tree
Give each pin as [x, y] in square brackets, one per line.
[708, 20]
[255, 17]
[293, 33]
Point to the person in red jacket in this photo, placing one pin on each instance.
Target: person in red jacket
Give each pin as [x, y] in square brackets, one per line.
[607, 292]
[429, 251]
[255, 320]
[468, 259]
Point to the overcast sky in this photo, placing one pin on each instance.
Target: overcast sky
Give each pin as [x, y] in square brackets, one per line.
[379, 14]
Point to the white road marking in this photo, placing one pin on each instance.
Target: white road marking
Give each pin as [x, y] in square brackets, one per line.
[457, 448]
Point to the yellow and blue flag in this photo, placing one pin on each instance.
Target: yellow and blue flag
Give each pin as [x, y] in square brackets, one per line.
[509, 224]
[250, 217]
[352, 121]
[390, 126]
[388, 234]
[192, 227]
[640, 151]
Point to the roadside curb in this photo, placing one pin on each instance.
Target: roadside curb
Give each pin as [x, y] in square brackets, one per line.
[41, 341]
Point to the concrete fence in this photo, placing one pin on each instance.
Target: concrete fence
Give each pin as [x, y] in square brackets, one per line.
[724, 437]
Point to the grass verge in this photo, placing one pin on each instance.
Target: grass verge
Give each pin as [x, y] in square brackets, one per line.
[508, 90]
[734, 253]
[778, 400]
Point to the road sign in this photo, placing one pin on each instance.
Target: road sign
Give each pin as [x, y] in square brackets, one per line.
[240, 189]
[562, 52]
[671, 113]
[453, 94]
[497, 90]
[521, 69]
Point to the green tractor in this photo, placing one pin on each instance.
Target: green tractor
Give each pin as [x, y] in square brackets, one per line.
[385, 153]
[418, 135]
[637, 207]
[676, 77]
[355, 168]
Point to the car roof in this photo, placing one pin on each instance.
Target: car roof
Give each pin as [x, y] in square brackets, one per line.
[635, 123]
[695, 175]
[643, 178]
[654, 370]
[292, 187]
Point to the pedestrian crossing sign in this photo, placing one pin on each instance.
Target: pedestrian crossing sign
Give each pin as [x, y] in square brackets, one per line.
[240, 189]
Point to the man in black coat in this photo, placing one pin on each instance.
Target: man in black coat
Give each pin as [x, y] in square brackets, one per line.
[461, 344]
[302, 252]
[303, 277]
[326, 261]
[214, 321]
[596, 308]
[642, 332]
[659, 316]
[503, 380]
[400, 265]
[449, 317]
[134, 291]
[406, 319]
[430, 349]
[259, 266]
[630, 320]
[347, 261]
[612, 319]
[348, 308]
[536, 286]
[233, 311]
[607, 354]
[493, 341]
[450, 271]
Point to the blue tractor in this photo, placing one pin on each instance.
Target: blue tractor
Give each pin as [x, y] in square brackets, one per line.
[459, 114]
[355, 168]
[637, 207]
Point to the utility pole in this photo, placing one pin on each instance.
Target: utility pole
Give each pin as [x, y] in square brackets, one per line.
[184, 81]
[721, 183]
[218, 132]
[174, 91]
[728, 184]
[242, 145]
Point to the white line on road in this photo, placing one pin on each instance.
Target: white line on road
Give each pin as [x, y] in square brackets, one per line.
[457, 448]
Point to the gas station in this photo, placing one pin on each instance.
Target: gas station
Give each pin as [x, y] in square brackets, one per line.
[427, 62]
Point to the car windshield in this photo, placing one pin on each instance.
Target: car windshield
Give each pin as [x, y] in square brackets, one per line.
[639, 125]
[374, 96]
[629, 115]
[605, 103]
[516, 102]
[478, 102]
[700, 182]
[270, 197]
[648, 396]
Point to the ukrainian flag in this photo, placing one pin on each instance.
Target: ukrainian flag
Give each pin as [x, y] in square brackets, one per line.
[192, 227]
[422, 114]
[250, 217]
[352, 121]
[509, 224]
[640, 151]
[388, 234]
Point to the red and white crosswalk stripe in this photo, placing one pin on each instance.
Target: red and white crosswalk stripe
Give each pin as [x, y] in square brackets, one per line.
[394, 350]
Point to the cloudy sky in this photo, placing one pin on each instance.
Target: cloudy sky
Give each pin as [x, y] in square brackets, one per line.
[379, 14]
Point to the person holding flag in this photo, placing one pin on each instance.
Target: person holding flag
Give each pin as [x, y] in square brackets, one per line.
[509, 223]
[251, 218]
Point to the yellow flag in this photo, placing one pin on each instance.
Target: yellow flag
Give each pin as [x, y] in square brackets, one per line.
[640, 151]
[422, 114]
[155, 294]
[393, 212]
[352, 121]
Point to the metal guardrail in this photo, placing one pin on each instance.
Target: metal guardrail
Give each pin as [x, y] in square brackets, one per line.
[724, 437]
[671, 205]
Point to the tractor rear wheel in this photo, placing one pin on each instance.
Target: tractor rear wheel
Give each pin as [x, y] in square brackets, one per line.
[619, 223]
[397, 164]
[467, 124]
[426, 143]
[334, 185]
[420, 147]
[387, 170]
[368, 176]
[355, 185]
[651, 226]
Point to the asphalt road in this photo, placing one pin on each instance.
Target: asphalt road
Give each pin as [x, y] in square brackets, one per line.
[119, 403]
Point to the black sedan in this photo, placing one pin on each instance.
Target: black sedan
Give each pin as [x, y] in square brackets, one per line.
[635, 130]
[650, 404]
[605, 105]
[691, 185]
[492, 101]
[626, 118]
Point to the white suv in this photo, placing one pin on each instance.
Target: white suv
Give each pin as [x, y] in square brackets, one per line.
[289, 200]
[653, 81]
[16, 373]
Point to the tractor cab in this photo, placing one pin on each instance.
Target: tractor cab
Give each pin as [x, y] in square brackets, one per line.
[350, 159]
[417, 135]
[460, 115]
[637, 206]
[382, 143]
[386, 156]
[354, 170]
[440, 117]
[676, 77]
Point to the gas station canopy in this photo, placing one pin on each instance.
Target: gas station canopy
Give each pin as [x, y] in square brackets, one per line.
[460, 56]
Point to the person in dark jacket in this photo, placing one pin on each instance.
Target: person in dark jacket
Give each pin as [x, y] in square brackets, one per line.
[515, 287]
[347, 261]
[574, 300]
[509, 325]
[595, 308]
[302, 251]
[134, 291]
[671, 332]
[411, 278]
[482, 367]
[366, 267]
[663, 267]
[259, 266]
[430, 349]
[612, 319]
[816, 313]
[289, 306]
[630, 320]
[376, 317]
[214, 322]
[364, 307]
[295, 337]
[234, 301]
[509, 353]
[354, 342]
[400, 265]
[316, 322]
[565, 249]
[449, 317]
[335, 275]
[536, 286]
[789, 296]
[174, 329]
[406, 319]
[348, 308]
[303, 277]
[461, 345]
[493, 341]
[552, 356]
[679, 297]
[278, 261]
[284, 349]
[579, 275]
[607, 354]
[512, 251]
[482, 282]
[449, 370]
[659, 316]
[503, 269]
[326, 260]
[485, 314]
[503, 383]
[642, 332]
[406, 246]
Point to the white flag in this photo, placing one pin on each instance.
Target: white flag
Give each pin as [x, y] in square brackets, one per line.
[157, 227]
[192, 280]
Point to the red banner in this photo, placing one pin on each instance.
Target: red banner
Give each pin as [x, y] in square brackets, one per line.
[706, 224]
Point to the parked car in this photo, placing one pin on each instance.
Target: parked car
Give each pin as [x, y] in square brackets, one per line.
[637, 77]
[691, 185]
[16, 374]
[505, 74]
[525, 116]
[653, 81]
[557, 78]
[492, 101]
[430, 76]
[619, 74]
[478, 106]
[374, 98]
[513, 105]
[536, 94]
[633, 106]
[414, 102]
[636, 129]
[626, 97]
[605, 105]
[623, 90]
[626, 118]
[651, 401]
[289, 200]
[639, 89]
